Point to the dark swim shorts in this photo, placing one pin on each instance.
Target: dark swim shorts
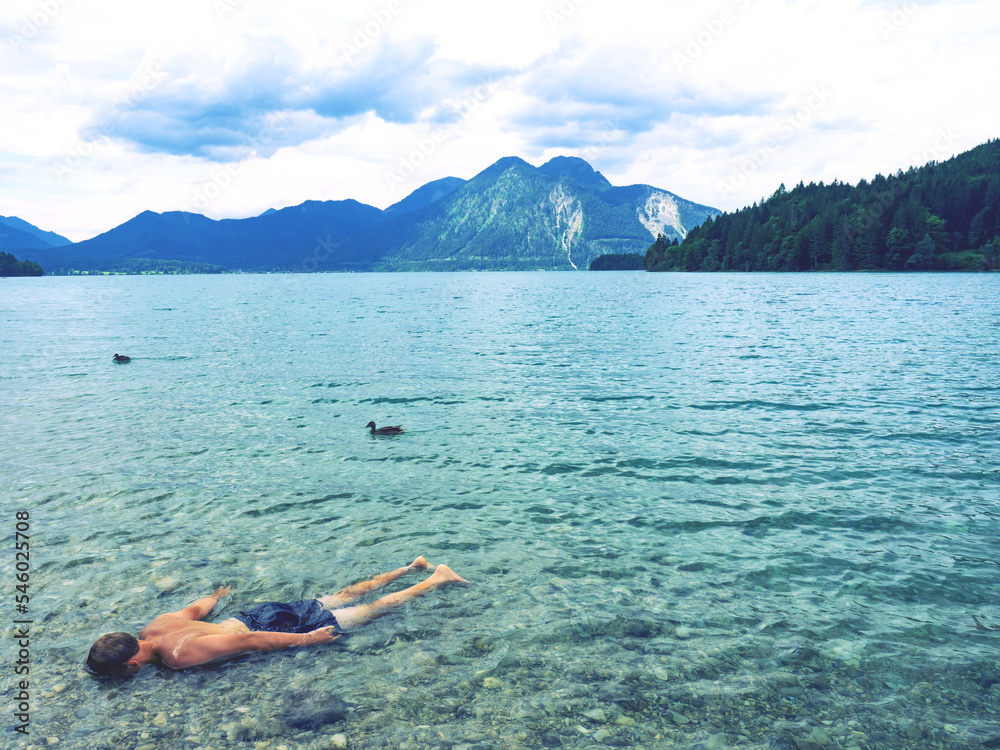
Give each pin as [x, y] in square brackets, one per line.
[294, 617]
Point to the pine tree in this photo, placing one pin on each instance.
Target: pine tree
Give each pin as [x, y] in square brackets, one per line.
[923, 255]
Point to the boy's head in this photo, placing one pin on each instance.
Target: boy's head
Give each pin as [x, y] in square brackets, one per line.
[111, 653]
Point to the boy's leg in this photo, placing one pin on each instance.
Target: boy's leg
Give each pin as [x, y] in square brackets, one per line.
[357, 590]
[353, 617]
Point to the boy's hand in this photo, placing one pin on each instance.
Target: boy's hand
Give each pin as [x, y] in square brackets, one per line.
[322, 635]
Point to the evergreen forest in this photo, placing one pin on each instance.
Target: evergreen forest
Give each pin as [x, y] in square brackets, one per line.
[11, 266]
[618, 262]
[942, 216]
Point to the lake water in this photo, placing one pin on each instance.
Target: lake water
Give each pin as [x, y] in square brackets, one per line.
[699, 511]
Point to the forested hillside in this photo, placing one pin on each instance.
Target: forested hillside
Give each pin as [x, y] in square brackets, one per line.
[619, 262]
[11, 266]
[942, 216]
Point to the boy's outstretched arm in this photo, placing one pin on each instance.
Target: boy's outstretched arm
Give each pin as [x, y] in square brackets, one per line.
[211, 647]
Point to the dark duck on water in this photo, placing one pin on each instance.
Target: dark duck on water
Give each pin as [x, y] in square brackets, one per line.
[388, 430]
[122, 358]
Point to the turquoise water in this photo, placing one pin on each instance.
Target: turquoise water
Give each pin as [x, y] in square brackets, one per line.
[700, 511]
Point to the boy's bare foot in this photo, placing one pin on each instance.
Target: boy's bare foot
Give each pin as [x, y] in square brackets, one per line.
[444, 575]
[419, 564]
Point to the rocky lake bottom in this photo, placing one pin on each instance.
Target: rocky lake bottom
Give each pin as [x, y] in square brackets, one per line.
[716, 512]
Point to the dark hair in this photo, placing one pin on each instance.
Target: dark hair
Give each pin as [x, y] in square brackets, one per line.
[111, 653]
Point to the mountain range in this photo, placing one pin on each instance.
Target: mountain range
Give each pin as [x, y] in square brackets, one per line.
[17, 234]
[511, 216]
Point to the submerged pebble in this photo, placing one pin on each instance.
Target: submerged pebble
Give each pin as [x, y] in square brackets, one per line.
[309, 709]
[168, 583]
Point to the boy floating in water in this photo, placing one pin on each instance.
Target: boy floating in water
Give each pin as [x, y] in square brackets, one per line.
[180, 639]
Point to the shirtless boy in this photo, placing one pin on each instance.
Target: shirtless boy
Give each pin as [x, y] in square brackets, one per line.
[180, 639]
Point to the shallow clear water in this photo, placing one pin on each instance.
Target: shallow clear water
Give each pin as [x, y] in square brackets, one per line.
[705, 511]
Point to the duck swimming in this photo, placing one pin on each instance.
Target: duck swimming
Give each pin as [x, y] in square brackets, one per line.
[388, 430]
[122, 358]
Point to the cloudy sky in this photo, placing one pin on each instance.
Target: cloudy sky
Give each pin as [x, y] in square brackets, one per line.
[230, 107]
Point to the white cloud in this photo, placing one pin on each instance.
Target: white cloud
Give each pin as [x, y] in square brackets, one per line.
[114, 107]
